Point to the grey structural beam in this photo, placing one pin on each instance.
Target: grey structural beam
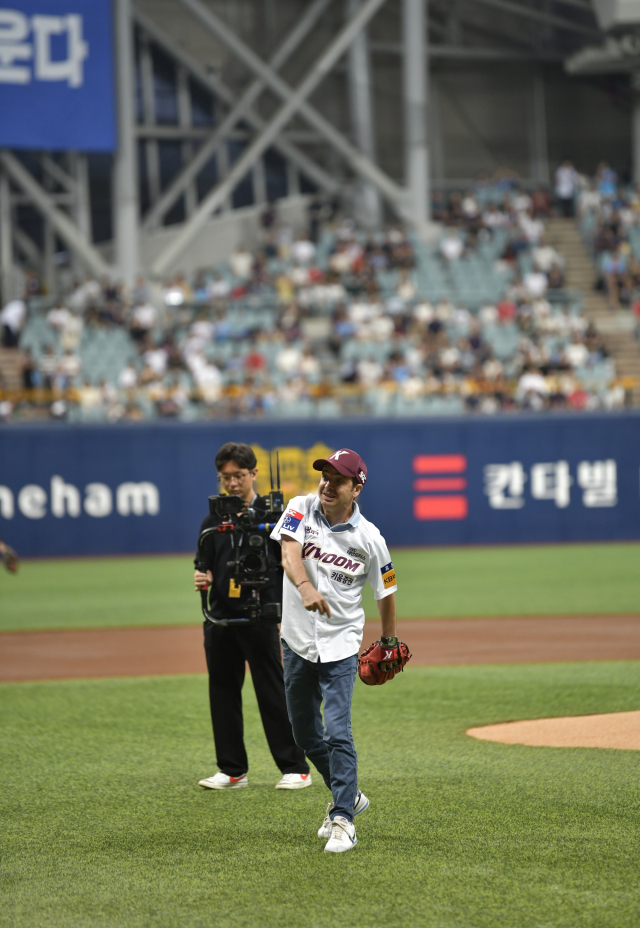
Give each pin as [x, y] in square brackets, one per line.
[579, 4]
[359, 163]
[151, 148]
[125, 163]
[6, 242]
[538, 129]
[81, 209]
[635, 128]
[187, 175]
[471, 52]
[294, 103]
[64, 227]
[28, 247]
[185, 119]
[58, 174]
[368, 207]
[195, 133]
[307, 165]
[415, 76]
[517, 9]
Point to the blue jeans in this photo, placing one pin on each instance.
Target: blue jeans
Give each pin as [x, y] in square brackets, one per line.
[330, 746]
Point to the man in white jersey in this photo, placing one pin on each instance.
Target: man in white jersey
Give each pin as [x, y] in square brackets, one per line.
[329, 550]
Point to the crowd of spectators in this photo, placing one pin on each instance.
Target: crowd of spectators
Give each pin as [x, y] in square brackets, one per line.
[331, 323]
[609, 216]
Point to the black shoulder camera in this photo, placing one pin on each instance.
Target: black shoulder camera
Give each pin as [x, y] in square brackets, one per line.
[253, 566]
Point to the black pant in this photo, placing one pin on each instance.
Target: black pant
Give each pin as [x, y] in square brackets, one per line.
[566, 206]
[9, 337]
[226, 650]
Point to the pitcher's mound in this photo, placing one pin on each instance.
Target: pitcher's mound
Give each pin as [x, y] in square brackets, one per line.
[611, 730]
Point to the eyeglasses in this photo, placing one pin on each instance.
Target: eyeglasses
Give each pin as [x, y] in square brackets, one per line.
[231, 478]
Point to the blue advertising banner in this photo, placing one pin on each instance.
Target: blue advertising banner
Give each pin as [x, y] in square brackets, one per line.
[57, 75]
[144, 488]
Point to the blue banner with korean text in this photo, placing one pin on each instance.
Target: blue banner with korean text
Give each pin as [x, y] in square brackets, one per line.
[57, 83]
[144, 488]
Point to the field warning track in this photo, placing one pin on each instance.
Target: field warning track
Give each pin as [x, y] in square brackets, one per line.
[120, 652]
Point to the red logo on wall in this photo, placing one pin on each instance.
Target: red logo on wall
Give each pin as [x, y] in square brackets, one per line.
[437, 505]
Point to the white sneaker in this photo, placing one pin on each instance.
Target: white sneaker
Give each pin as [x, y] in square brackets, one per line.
[222, 781]
[343, 836]
[362, 803]
[294, 781]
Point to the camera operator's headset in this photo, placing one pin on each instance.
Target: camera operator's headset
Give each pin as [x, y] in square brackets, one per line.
[253, 569]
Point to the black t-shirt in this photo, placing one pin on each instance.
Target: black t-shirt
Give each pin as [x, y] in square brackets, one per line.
[218, 550]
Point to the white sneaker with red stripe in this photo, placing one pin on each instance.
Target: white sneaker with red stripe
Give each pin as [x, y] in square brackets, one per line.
[222, 781]
[294, 781]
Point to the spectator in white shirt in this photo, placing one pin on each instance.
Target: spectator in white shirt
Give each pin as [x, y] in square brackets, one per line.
[521, 202]
[566, 185]
[309, 365]
[589, 200]
[533, 229]
[545, 257]
[143, 319]
[451, 245]
[535, 283]
[369, 372]
[219, 287]
[576, 354]
[12, 319]
[58, 317]
[303, 251]
[128, 377]
[70, 364]
[470, 206]
[156, 359]
[71, 333]
[241, 262]
[532, 389]
[288, 360]
[493, 218]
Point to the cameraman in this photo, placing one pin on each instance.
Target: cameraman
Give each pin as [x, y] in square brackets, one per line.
[228, 647]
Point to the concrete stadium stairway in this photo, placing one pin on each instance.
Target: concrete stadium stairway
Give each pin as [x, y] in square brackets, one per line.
[616, 325]
[11, 362]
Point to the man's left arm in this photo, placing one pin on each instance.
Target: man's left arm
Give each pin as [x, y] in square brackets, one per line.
[387, 610]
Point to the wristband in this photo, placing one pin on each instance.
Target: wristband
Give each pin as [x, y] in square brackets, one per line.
[391, 642]
[298, 585]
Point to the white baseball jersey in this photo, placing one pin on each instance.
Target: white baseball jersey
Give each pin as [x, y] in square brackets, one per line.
[338, 560]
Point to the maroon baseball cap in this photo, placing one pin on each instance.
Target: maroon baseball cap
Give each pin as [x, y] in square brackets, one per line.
[346, 462]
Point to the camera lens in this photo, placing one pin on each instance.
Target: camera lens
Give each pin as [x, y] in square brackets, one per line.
[252, 563]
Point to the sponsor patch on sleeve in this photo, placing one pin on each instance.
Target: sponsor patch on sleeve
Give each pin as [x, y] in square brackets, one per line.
[388, 575]
[292, 520]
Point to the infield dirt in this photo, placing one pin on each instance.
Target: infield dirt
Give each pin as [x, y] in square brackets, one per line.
[116, 652]
[620, 730]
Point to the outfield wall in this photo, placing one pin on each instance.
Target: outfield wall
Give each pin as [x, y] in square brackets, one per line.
[143, 488]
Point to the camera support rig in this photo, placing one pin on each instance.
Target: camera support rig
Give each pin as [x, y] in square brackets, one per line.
[253, 565]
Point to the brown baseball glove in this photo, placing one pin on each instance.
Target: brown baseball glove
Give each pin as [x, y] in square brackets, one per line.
[382, 661]
[10, 559]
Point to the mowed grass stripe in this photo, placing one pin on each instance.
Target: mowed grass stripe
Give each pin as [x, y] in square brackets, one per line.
[590, 579]
[104, 825]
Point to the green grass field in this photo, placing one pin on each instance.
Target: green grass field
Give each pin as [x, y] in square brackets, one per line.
[104, 825]
[549, 579]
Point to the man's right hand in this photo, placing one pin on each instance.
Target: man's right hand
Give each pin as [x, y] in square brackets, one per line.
[313, 601]
[202, 581]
